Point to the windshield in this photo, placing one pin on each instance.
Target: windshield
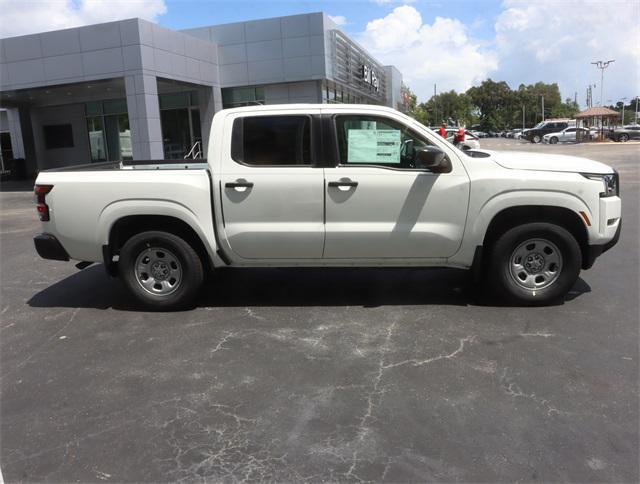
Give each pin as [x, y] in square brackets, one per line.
[539, 125]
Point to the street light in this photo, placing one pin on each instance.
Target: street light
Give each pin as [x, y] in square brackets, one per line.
[602, 65]
[623, 100]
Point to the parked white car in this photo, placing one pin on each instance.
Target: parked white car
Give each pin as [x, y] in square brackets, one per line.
[471, 141]
[332, 185]
[566, 135]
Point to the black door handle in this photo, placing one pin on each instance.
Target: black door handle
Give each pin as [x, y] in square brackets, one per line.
[343, 183]
[238, 185]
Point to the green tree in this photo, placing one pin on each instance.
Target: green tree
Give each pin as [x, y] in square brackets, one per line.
[495, 102]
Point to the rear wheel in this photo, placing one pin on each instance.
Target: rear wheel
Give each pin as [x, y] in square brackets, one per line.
[536, 139]
[534, 264]
[623, 137]
[161, 270]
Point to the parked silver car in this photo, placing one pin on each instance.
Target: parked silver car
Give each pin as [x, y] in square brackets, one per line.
[567, 134]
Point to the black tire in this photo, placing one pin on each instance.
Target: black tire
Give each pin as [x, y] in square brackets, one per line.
[503, 284]
[187, 261]
[536, 139]
[623, 138]
[553, 140]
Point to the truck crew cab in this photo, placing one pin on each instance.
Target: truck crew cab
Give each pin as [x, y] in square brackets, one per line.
[332, 185]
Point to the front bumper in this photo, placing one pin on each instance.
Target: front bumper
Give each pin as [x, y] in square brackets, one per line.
[595, 251]
[49, 247]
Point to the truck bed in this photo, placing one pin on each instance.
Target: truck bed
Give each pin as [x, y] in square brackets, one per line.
[201, 164]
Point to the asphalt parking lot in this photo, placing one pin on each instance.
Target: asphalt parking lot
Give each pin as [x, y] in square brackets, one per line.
[319, 375]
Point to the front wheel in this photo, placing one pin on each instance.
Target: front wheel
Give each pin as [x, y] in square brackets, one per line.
[534, 264]
[536, 139]
[553, 140]
[623, 137]
[161, 270]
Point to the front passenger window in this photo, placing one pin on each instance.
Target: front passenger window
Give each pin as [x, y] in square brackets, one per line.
[371, 140]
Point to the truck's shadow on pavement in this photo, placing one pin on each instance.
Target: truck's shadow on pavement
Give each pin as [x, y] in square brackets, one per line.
[369, 287]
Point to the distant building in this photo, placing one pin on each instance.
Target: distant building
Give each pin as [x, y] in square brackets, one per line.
[135, 90]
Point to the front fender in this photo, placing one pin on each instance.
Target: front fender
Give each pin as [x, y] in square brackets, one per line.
[523, 198]
[480, 218]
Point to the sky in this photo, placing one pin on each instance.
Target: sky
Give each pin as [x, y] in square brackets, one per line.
[453, 44]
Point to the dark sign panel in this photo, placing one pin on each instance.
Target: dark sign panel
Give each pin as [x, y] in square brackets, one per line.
[370, 77]
[353, 67]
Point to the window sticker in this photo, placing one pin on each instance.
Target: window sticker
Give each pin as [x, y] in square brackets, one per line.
[373, 146]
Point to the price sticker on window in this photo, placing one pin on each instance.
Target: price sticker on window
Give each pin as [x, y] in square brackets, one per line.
[373, 146]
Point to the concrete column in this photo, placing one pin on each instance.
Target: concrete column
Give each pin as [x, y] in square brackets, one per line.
[144, 117]
[28, 141]
[210, 102]
[15, 132]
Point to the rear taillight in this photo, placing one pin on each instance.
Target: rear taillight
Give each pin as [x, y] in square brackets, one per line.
[43, 209]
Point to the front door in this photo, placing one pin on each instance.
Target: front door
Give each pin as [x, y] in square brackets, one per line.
[380, 204]
[272, 195]
[569, 134]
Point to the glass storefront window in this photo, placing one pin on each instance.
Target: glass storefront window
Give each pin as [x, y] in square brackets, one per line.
[96, 138]
[124, 138]
[108, 129]
[180, 121]
[94, 108]
[116, 106]
[242, 96]
[174, 101]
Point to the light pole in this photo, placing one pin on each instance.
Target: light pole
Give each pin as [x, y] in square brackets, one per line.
[602, 65]
[623, 100]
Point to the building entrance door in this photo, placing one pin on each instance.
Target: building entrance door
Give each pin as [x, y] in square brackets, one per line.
[180, 119]
[109, 132]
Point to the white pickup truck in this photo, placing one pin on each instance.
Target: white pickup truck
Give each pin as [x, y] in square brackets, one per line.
[332, 185]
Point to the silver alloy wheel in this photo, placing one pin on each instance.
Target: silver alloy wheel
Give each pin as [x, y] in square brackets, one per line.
[535, 264]
[158, 271]
[536, 139]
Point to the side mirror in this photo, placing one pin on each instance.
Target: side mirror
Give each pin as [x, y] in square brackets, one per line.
[433, 159]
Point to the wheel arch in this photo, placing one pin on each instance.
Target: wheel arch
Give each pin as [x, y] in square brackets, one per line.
[513, 216]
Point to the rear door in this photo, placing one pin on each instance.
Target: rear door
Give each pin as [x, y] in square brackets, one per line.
[270, 188]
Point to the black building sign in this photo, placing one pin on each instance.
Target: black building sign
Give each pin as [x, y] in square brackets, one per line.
[353, 67]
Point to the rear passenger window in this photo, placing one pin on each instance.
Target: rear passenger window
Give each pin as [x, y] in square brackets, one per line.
[272, 140]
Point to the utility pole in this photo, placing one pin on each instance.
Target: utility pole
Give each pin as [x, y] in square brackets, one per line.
[435, 103]
[523, 111]
[636, 120]
[602, 65]
[623, 100]
[543, 108]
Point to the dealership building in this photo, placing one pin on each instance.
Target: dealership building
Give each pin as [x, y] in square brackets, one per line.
[135, 90]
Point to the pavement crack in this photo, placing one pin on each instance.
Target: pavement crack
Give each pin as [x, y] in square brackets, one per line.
[540, 334]
[511, 388]
[426, 361]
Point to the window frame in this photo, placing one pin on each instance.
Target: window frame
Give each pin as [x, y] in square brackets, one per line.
[314, 145]
[412, 132]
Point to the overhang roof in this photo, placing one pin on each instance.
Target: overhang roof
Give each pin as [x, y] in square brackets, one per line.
[598, 112]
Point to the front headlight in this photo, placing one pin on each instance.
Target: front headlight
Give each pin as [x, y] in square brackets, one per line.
[610, 182]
